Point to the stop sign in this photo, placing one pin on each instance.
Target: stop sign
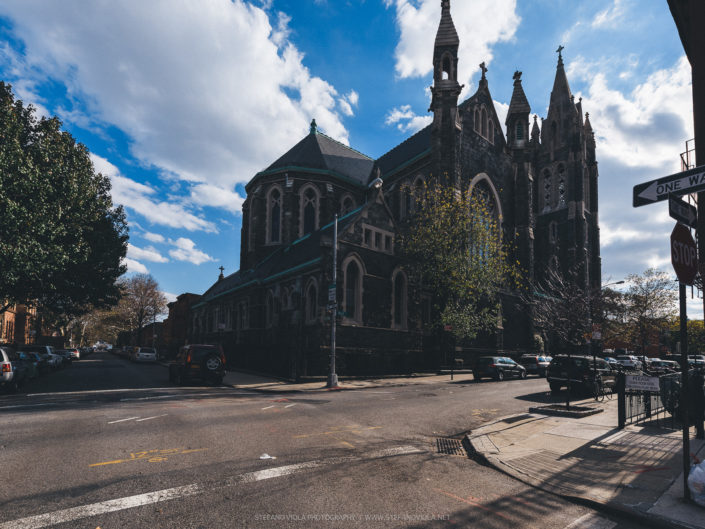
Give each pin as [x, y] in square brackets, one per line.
[684, 254]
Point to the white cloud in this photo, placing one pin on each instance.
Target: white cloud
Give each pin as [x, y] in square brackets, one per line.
[217, 197]
[418, 22]
[170, 297]
[406, 119]
[208, 91]
[135, 266]
[154, 237]
[138, 197]
[610, 17]
[145, 254]
[185, 250]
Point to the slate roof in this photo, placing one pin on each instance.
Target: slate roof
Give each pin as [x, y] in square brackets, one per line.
[446, 35]
[298, 256]
[412, 147]
[318, 151]
[519, 102]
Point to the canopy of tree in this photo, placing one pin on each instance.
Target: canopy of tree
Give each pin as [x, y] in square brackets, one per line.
[61, 240]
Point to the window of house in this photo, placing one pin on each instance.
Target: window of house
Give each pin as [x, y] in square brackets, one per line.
[368, 237]
[311, 303]
[399, 301]
[561, 186]
[377, 239]
[309, 211]
[353, 291]
[387, 243]
[274, 216]
[347, 205]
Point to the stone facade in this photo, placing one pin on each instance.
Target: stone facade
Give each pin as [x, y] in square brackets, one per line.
[271, 315]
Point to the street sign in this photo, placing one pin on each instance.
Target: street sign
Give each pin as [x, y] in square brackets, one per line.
[684, 254]
[331, 293]
[678, 184]
[683, 212]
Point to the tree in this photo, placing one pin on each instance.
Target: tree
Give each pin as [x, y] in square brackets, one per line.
[651, 303]
[142, 301]
[453, 247]
[61, 240]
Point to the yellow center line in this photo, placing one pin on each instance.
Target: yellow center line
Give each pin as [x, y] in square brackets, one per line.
[355, 430]
[153, 456]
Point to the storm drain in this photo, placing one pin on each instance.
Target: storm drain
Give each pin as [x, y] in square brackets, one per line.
[450, 447]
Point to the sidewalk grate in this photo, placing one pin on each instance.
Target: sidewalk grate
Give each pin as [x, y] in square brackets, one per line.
[451, 447]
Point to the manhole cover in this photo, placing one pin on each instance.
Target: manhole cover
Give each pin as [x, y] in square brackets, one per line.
[451, 447]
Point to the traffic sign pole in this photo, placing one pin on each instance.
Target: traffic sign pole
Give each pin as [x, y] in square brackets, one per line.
[657, 190]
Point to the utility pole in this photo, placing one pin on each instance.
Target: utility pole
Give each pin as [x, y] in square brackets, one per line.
[333, 302]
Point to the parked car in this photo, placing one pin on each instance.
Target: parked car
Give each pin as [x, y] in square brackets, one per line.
[535, 364]
[144, 354]
[697, 360]
[65, 356]
[43, 350]
[658, 367]
[580, 370]
[13, 371]
[75, 353]
[33, 362]
[497, 367]
[55, 361]
[202, 362]
[613, 362]
[630, 362]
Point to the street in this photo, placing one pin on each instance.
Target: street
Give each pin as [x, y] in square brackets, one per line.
[108, 443]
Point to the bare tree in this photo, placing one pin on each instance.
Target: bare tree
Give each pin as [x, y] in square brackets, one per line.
[142, 300]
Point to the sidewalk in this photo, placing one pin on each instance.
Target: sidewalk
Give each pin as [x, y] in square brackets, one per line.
[635, 471]
[264, 383]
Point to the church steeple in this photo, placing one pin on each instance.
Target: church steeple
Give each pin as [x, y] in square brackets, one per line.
[562, 112]
[445, 92]
[517, 121]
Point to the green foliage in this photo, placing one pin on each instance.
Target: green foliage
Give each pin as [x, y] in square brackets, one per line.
[61, 239]
[453, 247]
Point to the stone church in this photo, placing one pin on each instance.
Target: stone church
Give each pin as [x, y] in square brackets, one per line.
[272, 316]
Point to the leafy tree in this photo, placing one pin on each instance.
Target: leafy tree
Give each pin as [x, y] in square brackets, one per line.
[453, 247]
[61, 239]
[651, 304]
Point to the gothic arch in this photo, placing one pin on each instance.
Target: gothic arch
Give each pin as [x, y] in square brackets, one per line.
[486, 181]
[347, 204]
[309, 209]
[311, 301]
[353, 272]
[275, 213]
[400, 299]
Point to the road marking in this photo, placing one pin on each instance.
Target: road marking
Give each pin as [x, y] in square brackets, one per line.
[180, 396]
[332, 432]
[139, 500]
[153, 456]
[591, 521]
[149, 418]
[123, 420]
[28, 405]
[289, 405]
[268, 407]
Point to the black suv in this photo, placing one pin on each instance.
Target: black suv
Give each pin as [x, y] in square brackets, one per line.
[581, 372]
[202, 362]
[497, 367]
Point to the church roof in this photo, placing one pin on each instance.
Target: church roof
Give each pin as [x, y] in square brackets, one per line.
[561, 88]
[519, 103]
[318, 151]
[405, 152]
[446, 35]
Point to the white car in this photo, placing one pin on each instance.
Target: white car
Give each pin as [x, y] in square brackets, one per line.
[629, 361]
[144, 354]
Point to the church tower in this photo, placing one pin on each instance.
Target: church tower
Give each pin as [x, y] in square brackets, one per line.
[446, 127]
[567, 201]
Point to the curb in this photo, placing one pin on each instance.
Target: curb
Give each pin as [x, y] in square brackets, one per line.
[650, 520]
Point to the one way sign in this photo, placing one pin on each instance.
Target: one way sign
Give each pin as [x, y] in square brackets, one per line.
[676, 184]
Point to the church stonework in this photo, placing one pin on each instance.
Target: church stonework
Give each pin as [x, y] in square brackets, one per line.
[271, 315]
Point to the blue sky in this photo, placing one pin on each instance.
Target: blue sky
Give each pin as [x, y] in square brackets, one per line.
[181, 102]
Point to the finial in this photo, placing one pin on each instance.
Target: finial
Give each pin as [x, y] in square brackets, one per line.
[484, 69]
[587, 115]
[221, 273]
[517, 76]
[314, 127]
[535, 118]
[445, 4]
[560, 55]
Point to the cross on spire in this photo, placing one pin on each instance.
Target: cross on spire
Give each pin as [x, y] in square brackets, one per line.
[559, 50]
[484, 69]
[517, 75]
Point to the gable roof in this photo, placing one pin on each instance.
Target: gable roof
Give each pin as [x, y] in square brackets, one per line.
[319, 152]
[409, 149]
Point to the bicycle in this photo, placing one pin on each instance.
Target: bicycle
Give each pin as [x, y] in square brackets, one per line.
[598, 389]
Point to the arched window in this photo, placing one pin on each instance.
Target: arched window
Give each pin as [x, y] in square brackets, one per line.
[274, 215]
[476, 125]
[490, 129]
[309, 210]
[399, 300]
[520, 131]
[586, 190]
[483, 122]
[561, 186]
[347, 205]
[446, 68]
[547, 191]
[311, 303]
[352, 292]
[418, 194]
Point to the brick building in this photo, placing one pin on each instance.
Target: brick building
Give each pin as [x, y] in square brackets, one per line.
[542, 183]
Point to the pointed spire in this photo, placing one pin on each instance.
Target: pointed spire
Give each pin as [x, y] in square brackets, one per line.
[519, 103]
[447, 35]
[314, 127]
[589, 134]
[535, 132]
[561, 89]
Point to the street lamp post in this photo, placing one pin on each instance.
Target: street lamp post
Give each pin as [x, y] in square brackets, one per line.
[333, 293]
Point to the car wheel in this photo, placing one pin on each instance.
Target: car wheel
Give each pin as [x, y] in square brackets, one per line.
[500, 376]
[555, 388]
[476, 377]
[522, 375]
[212, 363]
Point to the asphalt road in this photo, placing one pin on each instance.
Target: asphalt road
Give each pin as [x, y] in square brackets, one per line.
[111, 444]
